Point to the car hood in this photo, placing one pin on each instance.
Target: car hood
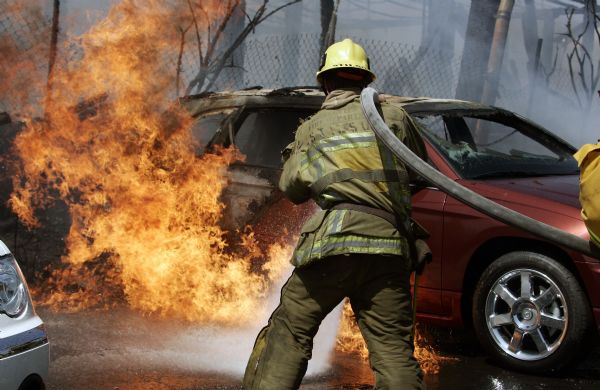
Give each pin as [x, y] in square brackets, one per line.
[536, 192]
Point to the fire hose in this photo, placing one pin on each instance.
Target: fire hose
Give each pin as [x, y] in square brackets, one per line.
[470, 198]
[488, 207]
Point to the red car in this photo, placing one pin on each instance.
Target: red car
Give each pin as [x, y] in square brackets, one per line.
[533, 304]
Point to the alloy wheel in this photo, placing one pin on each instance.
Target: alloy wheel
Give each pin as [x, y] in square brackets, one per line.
[526, 314]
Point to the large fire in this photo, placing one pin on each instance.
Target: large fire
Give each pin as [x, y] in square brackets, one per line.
[144, 209]
[138, 197]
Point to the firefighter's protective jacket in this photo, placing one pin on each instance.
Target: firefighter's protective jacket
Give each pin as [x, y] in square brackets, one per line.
[588, 158]
[335, 158]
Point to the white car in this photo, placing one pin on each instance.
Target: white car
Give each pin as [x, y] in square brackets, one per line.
[24, 350]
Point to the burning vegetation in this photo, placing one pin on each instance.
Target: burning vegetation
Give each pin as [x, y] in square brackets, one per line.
[117, 150]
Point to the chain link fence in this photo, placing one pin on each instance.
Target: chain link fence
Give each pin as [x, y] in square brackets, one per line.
[275, 61]
[24, 40]
[280, 61]
[271, 62]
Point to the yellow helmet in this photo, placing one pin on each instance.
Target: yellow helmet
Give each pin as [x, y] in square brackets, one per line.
[345, 54]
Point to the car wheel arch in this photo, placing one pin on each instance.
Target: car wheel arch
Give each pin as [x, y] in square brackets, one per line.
[33, 382]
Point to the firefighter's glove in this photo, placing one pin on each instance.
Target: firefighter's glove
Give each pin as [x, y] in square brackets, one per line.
[423, 256]
[422, 253]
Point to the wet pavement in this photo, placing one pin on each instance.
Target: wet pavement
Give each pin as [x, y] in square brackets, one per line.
[121, 349]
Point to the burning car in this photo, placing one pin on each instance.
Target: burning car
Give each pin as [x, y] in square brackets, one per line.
[24, 350]
[532, 304]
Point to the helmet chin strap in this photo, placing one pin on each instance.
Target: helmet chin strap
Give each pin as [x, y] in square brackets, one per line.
[324, 86]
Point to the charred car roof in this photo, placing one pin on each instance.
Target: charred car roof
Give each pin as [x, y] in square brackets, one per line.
[305, 97]
[311, 98]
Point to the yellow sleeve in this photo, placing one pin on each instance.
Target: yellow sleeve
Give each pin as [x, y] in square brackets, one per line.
[582, 153]
[588, 158]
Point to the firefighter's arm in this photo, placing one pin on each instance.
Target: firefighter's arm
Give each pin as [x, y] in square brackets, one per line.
[291, 182]
[414, 140]
[407, 131]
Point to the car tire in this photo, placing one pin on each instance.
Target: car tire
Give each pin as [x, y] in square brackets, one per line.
[530, 313]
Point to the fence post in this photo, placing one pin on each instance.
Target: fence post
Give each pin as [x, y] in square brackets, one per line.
[490, 86]
[535, 74]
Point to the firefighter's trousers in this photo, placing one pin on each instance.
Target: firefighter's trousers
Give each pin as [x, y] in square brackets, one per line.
[379, 291]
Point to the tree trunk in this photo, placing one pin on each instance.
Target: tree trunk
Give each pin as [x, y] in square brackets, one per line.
[293, 27]
[53, 41]
[232, 75]
[549, 36]
[490, 85]
[476, 53]
[530, 35]
[326, 15]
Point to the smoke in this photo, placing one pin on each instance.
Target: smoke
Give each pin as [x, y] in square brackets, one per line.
[416, 48]
[551, 94]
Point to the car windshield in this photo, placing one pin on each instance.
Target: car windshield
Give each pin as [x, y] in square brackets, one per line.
[490, 147]
[266, 132]
[206, 126]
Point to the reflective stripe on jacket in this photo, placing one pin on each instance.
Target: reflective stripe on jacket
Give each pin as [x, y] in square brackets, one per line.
[335, 158]
[588, 158]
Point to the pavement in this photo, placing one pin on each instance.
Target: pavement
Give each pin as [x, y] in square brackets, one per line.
[120, 349]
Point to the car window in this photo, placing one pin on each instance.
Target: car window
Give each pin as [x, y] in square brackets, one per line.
[479, 148]
[265, 133]
[206, 126]
[493, 137]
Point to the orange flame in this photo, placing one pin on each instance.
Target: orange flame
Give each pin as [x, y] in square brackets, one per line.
[350, 340]
[144, 209]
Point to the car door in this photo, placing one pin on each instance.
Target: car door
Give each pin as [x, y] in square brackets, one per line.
[428, 210]
[253, 197]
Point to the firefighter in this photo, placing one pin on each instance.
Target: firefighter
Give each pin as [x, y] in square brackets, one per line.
[355, 246]
[588, 158]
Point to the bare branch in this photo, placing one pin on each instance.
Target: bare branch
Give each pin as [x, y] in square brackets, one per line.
[220, 62]
[580, 56]
[548, 74]
[277, 9]
[217, 64]
[569, 14]
[217, 67]
[247, 16]
[198, 38]
[183, 32]
[593, 11]
[213, 43]
[208, 27]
